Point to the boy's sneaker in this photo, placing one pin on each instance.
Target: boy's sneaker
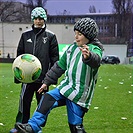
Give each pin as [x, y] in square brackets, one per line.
[23, 128]
[14, 130]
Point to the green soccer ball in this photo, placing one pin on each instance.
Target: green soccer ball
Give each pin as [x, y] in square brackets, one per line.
[26, 68]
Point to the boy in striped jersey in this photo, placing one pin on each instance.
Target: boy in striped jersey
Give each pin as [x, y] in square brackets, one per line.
[80, 63]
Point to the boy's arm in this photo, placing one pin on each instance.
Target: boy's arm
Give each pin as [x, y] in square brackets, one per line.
[51, 77]
[93, 61]
[53, 74]
[95, 54]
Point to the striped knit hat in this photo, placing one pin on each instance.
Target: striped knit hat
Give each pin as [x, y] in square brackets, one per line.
[38, 12]
[87, 27]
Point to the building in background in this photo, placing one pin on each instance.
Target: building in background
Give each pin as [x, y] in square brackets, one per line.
[20, 12]
[18, 21]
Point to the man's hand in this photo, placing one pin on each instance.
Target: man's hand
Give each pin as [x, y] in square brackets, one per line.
[43, 87]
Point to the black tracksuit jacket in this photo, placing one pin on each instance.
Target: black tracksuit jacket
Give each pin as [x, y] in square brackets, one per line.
[43, 44]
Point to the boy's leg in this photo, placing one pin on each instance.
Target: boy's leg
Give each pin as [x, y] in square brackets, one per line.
[75, 117]
[47, 103]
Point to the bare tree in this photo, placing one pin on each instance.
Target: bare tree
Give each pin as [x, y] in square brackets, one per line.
[31, 4]
[122, 10]
[34, 3]
[11, 10]
[92, 9]
[7, 11]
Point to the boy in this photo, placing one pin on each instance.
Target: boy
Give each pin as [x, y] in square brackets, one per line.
[80, 63]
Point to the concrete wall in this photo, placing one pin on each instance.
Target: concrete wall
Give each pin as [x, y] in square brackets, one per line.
[9, 37]
[10, 34]
[64, 33]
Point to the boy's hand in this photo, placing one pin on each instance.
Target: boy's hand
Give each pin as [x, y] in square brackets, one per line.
[43, 87]
[85, 51]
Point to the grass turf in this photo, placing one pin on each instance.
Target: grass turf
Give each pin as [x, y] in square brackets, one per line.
[111, 110]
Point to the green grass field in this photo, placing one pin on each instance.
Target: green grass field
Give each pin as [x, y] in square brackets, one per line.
[111, 110]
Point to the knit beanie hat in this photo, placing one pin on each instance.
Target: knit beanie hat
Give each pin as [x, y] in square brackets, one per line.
[87, 27]
[38, 12]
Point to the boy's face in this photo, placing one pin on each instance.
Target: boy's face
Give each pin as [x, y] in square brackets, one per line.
[80, 38]
[38, 22]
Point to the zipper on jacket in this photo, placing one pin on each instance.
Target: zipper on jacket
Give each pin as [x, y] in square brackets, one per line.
[34, 46]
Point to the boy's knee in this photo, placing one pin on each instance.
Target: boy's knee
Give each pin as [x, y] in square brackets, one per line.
[46, 103]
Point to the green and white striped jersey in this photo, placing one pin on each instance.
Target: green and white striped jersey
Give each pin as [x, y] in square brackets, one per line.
[80, 79]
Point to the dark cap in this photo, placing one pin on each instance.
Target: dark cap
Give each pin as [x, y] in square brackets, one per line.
[87, 27]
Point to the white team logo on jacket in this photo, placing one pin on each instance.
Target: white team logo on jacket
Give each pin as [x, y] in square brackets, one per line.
[29, 40]
[44, 39]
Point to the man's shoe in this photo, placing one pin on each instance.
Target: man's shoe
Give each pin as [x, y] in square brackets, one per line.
[14, 130]
[23, 128]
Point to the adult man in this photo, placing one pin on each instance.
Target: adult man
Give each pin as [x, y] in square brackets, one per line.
[43, 44]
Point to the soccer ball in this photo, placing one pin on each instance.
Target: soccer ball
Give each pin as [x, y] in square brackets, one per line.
[26, 68]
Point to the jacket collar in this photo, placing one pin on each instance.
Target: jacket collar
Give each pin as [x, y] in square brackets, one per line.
[36, 30]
